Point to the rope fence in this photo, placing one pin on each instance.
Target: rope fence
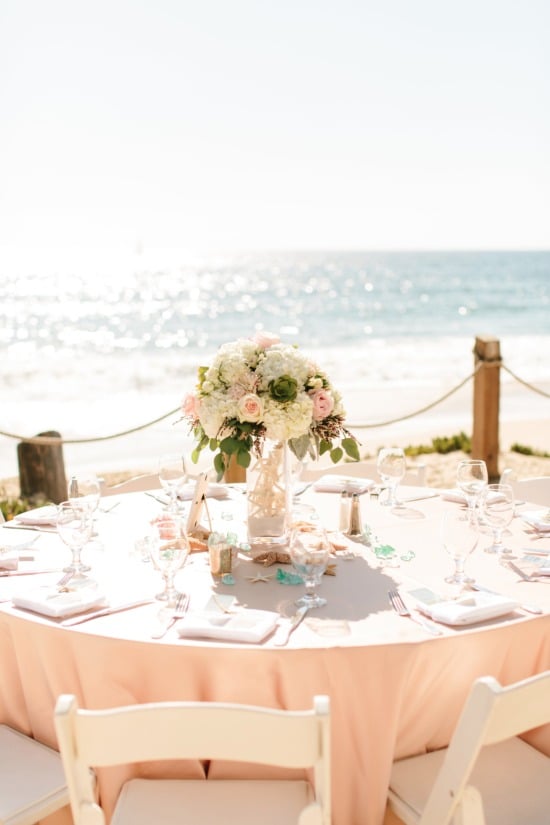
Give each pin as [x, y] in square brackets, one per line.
[360, 426]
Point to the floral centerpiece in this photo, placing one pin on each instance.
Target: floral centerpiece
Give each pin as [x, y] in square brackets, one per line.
[257, 389]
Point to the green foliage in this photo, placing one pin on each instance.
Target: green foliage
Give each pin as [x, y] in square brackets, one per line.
[12, 506]
[523, 450]
[442, 445]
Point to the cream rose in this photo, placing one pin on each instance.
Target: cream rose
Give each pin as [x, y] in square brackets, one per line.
[250, 408]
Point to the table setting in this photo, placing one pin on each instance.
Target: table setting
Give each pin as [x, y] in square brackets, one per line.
[390, 603]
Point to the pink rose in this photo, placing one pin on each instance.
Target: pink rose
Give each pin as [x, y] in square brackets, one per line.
[250, 409]
[191, 406]
[323, 404]
[264, 340]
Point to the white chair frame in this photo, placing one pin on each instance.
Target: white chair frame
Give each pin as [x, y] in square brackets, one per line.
[132, 485]
[487, 775]
[198, 730]
[535, 489]
[32, 781]
[415, 475]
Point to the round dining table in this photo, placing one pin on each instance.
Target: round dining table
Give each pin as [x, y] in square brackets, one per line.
[396, 687]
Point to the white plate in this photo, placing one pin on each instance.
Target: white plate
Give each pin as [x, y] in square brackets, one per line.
[243, 626]
[58, 605]
[338, 484]
[538, 518]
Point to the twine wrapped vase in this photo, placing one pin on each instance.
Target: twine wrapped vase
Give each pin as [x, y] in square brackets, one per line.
[269, 500]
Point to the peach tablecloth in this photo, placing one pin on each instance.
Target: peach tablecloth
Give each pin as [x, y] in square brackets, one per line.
[394, 689]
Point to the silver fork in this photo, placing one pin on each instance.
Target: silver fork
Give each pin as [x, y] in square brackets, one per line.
[180, 610]
[400, 607]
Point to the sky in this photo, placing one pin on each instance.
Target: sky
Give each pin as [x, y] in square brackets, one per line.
[165, 128]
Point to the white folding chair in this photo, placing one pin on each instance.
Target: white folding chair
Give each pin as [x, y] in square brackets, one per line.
[487, 775]
[415, 474]
[198, 730]
[32, 781]
[132, 485]
[535, 489]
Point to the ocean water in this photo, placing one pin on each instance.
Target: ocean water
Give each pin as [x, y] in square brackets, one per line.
[94, 353]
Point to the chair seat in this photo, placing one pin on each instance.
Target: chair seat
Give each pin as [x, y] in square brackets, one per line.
[513, 778]
[211, 802]
[32, 780]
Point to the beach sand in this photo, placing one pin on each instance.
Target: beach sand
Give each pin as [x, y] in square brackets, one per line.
[524, 420]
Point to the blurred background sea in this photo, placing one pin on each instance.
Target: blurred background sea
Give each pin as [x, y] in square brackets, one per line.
[106, 350]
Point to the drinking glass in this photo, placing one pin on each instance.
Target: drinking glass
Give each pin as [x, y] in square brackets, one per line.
[74, 526]
[169, 549]
[471, 478]
[497, 510]
[172, 476]
[309, 549]
[459, 537]
[391, 465]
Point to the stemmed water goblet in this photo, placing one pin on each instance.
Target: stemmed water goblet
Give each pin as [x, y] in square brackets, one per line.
[309, 550]
[172, 476]
[74, 526]
[169, 548]
[459, 538]
[471, 478]
[391, 465]
[497, 511]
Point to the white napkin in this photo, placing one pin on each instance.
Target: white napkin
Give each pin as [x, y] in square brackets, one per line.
[539, 519]
[40, 517]
[337, 484]
[469, 609]
[459, 497]
[212, 491]
[239, 625]
[48, 602]
[9, 561]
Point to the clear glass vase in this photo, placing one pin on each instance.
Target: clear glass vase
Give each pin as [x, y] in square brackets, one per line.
[268, 488]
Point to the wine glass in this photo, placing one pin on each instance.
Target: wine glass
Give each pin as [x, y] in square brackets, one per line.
[169, 549]
[391, 465]
[497, 510]
[74, 526]
[172, 476]
[459, 537]
[309, 550]
[471, 478]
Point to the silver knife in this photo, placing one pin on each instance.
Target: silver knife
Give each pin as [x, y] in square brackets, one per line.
[291, 627]
[105, 611]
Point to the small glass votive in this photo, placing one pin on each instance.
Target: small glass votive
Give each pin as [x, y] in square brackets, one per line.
[142, 549]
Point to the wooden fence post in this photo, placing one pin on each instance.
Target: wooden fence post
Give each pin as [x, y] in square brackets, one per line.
[41, 469]
[485, 435]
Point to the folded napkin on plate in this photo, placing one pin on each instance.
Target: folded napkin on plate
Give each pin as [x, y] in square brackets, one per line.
[40, 517]
[338, 484]
[540, 519]
[469, 609]
[48, 602]
[221, 619]
[212, 491]
[244, 626]
[9, 561]
[460, 498]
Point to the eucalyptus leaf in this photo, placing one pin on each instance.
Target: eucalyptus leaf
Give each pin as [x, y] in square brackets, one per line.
[336, 454]
[243, 458]
[351, 448]
[219, 465]
[324, 446]
[229, 445]
[300, 446]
